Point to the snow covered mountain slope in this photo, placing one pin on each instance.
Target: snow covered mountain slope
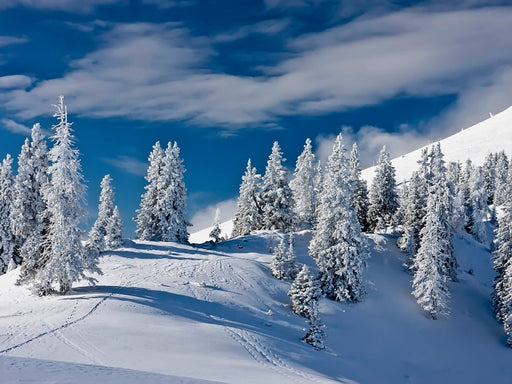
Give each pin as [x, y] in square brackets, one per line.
[172, 313]
[202, 236]
[475, 143]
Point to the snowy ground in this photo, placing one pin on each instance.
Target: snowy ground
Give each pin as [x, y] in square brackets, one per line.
[168, 313]
[476, 142]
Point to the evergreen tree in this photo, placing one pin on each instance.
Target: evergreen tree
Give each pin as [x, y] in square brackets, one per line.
[65, 258]
[96, 242]
[383, 196]
[161, 216]
[412, 222]
[290, 266]
[429, 283]
[502, 292]
[479, 208]
[338, 245]
[114, 231]
[147, 222]
[278, 263]
[302, 292]
[489, 176]
[315, 336]
[215, 232]
[502, 260]
[276, 194]
[501, 184]
[171, 204]
[27, 214]
[6, 196]
[360, 194]
[248, 214]
[303, 186]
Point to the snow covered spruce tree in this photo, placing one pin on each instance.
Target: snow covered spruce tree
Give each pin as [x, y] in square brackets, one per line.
[147, 222]
[248, 214]
[302, 292]
[215, 232]
[479, 207]
[444, 191]
[64, 258]
[290, 266]
[171, 205]
[383, 196]
[6, 234]
[360, 194]
[315, 335]
[429, 283]
[304, 187]
[27, 214]
[114, 231]
[412, 221]
[277, 264]
[100, 231]
[161, 216]
[338, 245]
[501, 181]
[276, 195]
[502, 261]
[489, 176]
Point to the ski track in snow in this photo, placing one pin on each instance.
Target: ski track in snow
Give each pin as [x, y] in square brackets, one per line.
[263, 355]
[57, 329]
[246, 339]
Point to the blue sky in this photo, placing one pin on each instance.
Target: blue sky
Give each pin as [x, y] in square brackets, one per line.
[226, 78]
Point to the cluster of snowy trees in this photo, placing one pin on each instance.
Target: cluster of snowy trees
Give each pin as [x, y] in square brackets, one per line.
[437, 202]
[333, 202]
[161, 216]
[41, 209]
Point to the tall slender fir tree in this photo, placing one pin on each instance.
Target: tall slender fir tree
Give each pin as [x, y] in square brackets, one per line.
[248, 215]
[338, 245]
[65, 259]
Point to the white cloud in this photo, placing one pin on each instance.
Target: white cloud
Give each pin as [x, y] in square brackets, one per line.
[15, 127]
[61, 5]
[15, 81]
[205, 217]
[266, 27]
[161, 72]
[476, 102]
[9, 40]
[128, 164]
[370, 141]
[165, 4]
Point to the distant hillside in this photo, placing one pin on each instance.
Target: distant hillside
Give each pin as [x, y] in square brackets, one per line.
[491, 135]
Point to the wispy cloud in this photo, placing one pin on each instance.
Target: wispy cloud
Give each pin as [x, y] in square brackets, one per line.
[161, 72]
[128, 164]
[266, 27]
[10, 40]
[15, 81]
[61, 5]
[14, 127]
[164, 4]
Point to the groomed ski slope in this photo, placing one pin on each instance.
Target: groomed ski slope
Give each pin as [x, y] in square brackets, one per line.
[169, 313]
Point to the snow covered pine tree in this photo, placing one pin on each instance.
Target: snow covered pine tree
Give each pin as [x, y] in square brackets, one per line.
[248, 215]
[65, 258]
[276, 194]
[383, 196]
[338, 245]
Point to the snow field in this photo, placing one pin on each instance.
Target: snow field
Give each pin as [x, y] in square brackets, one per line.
[172, 312]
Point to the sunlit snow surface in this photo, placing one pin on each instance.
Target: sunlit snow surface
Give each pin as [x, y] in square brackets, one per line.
[475, 143]
[168, 313]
